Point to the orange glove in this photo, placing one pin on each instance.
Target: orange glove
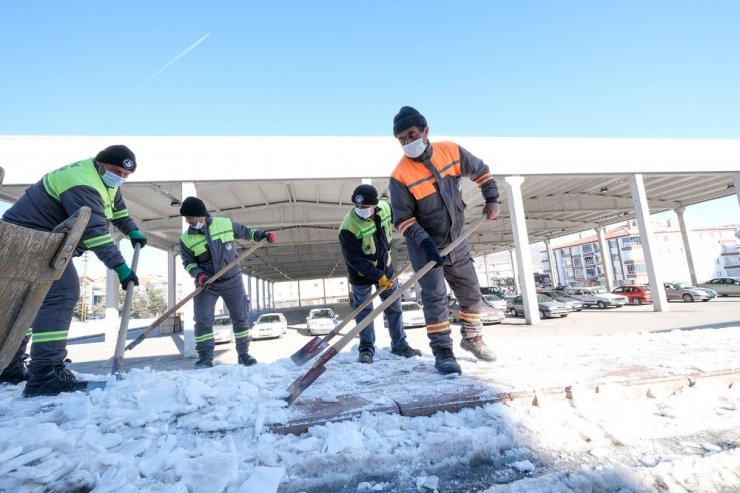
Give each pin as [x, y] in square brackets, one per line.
[385, 283]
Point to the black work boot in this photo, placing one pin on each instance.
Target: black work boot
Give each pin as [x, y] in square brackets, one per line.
[476, 346]
[365, 357]
[247, 360]
[445, 362]
[406, 352]
[52, 380]
[203, 363]
[14, 373]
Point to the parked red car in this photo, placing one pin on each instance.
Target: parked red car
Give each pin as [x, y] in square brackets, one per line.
[637, 295]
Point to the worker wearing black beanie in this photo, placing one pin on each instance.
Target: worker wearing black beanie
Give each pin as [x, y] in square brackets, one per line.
[193, 207]
[206, 248]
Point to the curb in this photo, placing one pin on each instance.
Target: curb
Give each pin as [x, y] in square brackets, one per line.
[348, 407]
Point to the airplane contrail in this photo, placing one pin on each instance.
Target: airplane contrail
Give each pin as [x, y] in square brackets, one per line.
[168, 64]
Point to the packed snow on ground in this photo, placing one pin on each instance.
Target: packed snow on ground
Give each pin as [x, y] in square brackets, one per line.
[210, 430]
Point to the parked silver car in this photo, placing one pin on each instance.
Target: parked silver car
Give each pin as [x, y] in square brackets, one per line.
[685, 285]
[596, 296]
[549, 308]
[673, 292]
[574, 303]
[724, 286]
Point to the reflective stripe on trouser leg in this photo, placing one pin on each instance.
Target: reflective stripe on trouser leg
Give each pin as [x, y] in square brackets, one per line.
[394, 314]
[360, 292]
[235, 299]
[51, 326]
[463, 281]
[434, 296]
[204, 305]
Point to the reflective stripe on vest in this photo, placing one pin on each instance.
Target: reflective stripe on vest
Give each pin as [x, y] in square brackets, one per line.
[417, 177]
[364, 229]
[82, 173]
[220, 229]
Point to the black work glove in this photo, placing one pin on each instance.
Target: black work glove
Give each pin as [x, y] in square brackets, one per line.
[491, 210]
[431, 251]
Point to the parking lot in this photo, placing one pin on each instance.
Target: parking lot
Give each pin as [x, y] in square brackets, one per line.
[163, 352]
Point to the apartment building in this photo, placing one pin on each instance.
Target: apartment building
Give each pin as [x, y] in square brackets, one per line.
[716, 252]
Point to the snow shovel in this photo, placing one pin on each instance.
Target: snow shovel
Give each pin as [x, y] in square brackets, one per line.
[304, 381]
[192, 295]
[125, 312]
[318, 344]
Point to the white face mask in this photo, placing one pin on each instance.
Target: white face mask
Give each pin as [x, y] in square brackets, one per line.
[365, 213]
[199, 225]
[112, 179]
[415, 148]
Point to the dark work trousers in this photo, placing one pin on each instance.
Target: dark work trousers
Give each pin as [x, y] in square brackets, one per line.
[395, 323]
[50, 328]
[459, 270]
[235, 299]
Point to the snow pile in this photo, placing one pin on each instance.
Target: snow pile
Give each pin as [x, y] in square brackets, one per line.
[209, 430]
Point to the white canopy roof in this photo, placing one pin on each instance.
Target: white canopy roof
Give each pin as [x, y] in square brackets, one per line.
[300, 186]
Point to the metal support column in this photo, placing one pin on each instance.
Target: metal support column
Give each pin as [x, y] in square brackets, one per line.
[188, 317]
[606, 258]
[554, 273]
[642, 213]
[680, 213]
[521, 245]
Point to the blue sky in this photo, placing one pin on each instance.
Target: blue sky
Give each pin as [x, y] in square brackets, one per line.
[576, 68]
[492, 68]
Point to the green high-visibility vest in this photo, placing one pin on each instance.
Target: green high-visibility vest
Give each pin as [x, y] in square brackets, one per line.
[364, 229]
[82, 173]
[221, 229]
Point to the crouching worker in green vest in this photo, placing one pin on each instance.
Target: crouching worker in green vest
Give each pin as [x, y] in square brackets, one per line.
[206, 247]
[365, 238]
[94, 183]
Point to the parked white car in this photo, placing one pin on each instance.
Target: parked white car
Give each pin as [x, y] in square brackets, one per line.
[412, 314]
[269, 325]
[321, 321]
[223, 331]
[596, 297]
[495, 301]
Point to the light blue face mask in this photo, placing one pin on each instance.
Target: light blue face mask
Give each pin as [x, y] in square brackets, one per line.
[112, 179]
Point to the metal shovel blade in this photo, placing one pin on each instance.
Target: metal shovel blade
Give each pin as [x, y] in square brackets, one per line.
[311, 349]
[303, 382]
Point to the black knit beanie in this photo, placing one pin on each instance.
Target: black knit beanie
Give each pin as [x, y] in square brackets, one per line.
[407, 117]
[193, 207]
[118, 155]
[365, 194]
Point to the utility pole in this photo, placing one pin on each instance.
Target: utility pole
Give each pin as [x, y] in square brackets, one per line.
[83, 314]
